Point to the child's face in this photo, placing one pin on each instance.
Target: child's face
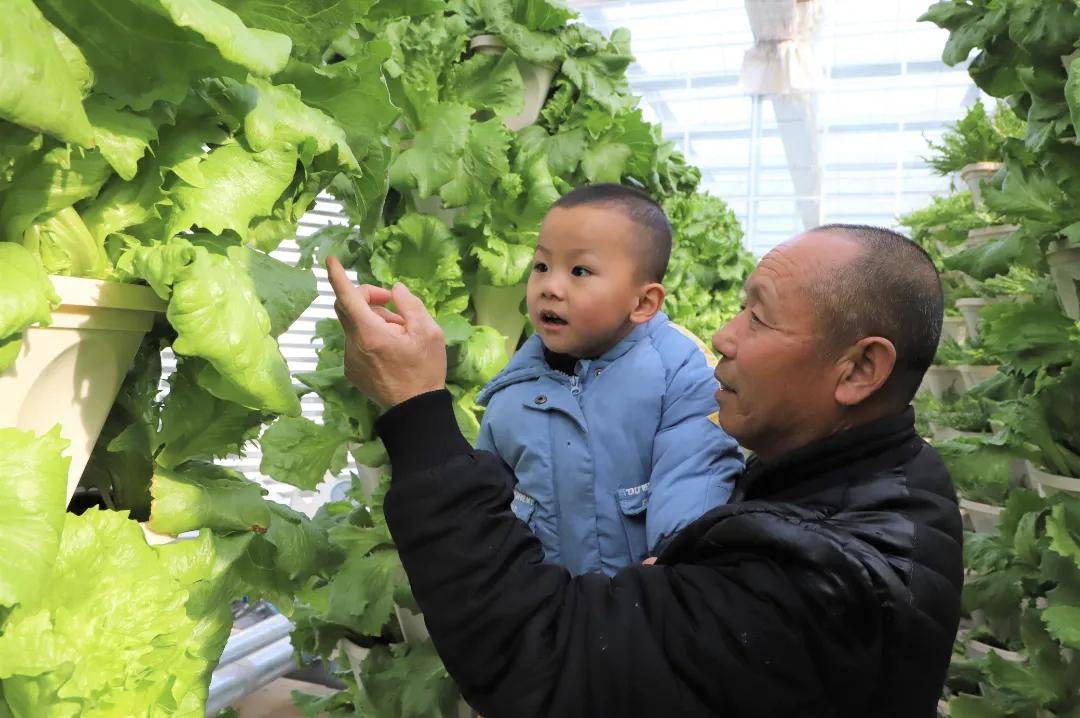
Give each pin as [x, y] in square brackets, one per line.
[586, 281]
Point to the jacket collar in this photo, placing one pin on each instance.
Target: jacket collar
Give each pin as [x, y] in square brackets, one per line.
[877, 441]
[528, 362]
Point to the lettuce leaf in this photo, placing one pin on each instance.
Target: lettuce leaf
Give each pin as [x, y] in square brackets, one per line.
[32, 494]
[38, 86]
[477, 359]
[87, 648]
[216, 312]
[66, 247]
[195, 424]
[300, 452]
[204, 39]
[198, 495]
[26, 295]
[420, 252]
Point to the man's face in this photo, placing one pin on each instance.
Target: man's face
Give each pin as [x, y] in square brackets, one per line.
[778, 387]
[584, 282]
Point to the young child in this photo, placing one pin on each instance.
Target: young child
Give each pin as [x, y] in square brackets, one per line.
[606, 414]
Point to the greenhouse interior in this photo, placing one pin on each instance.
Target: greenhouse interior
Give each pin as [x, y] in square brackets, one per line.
[199, 432]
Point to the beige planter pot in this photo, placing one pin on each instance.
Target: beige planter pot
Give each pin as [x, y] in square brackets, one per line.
[954, 328]
[1048, 484]
[984, 235]
[69, 373]
[982, 518]
[492, 306]
[1064, 264]
[973, 176]
[537, 79]
[940, 380]
[969, 309]
[973, 375]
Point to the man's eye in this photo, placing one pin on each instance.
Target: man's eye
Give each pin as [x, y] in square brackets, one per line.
[539, 267]
[580, 272]
[754, 318]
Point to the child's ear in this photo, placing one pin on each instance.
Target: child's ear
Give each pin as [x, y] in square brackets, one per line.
[649, 301]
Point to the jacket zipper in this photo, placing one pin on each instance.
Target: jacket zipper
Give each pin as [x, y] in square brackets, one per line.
[575, 387]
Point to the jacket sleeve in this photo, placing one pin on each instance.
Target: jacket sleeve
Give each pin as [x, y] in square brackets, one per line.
[695, 462]
[525, 640]
[485, 440]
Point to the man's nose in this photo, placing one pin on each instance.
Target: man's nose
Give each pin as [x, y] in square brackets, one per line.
[724, 340]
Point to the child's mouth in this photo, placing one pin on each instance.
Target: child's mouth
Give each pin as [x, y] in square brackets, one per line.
[551, 319]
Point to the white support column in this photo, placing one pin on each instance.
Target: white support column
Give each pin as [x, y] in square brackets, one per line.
[781, 66]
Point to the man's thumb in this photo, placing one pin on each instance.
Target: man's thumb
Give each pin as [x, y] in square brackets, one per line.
[408, 305]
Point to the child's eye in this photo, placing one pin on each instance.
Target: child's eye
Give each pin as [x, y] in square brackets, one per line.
[539, 267]
[580, 272]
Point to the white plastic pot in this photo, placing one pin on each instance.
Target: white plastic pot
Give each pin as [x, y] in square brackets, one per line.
[945, 433]
[983, 235]
[493, 308]
[369, 477]
[537, 79]
[70, 372]
[977, 650]
[355, 655]
[413, 628]
[969, 309]
[982, 518]
[940, 380]
[1048, 484]
[954, 328]
[972, 375]
[972, 175]
[1064, 264]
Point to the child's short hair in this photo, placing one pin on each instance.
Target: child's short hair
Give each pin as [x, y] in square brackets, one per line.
[655, 238]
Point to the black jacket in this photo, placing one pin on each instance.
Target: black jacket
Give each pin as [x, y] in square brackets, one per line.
[831, 587]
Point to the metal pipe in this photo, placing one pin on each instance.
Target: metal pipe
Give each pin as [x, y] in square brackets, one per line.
[235, 680]
[252, 639]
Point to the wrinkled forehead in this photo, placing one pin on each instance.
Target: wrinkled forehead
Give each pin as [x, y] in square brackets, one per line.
[781, 277]
[788, 275]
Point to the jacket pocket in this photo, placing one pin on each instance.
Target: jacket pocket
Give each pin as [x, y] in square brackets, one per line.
[523, 507]
[633, 503]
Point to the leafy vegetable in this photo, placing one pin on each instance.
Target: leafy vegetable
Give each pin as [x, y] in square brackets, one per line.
[34, 489]
[26, 297]
[300, 452]
[976, 137]
[62, 654]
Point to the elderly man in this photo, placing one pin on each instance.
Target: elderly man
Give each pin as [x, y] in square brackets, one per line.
[828, 587]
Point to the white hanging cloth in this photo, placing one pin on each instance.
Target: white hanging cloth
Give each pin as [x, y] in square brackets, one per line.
[782, 62]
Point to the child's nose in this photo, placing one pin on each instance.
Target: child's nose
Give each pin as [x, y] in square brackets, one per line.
[551, 287]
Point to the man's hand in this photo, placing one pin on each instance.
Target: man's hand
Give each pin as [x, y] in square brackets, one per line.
[389, 357]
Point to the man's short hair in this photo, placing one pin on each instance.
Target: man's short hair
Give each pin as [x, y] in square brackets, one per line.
[654, 240]
[891, 290]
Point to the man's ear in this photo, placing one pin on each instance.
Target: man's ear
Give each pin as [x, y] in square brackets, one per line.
[867, 366]
[649, 301]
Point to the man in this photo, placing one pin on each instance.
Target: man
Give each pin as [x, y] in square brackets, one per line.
[828, 587]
